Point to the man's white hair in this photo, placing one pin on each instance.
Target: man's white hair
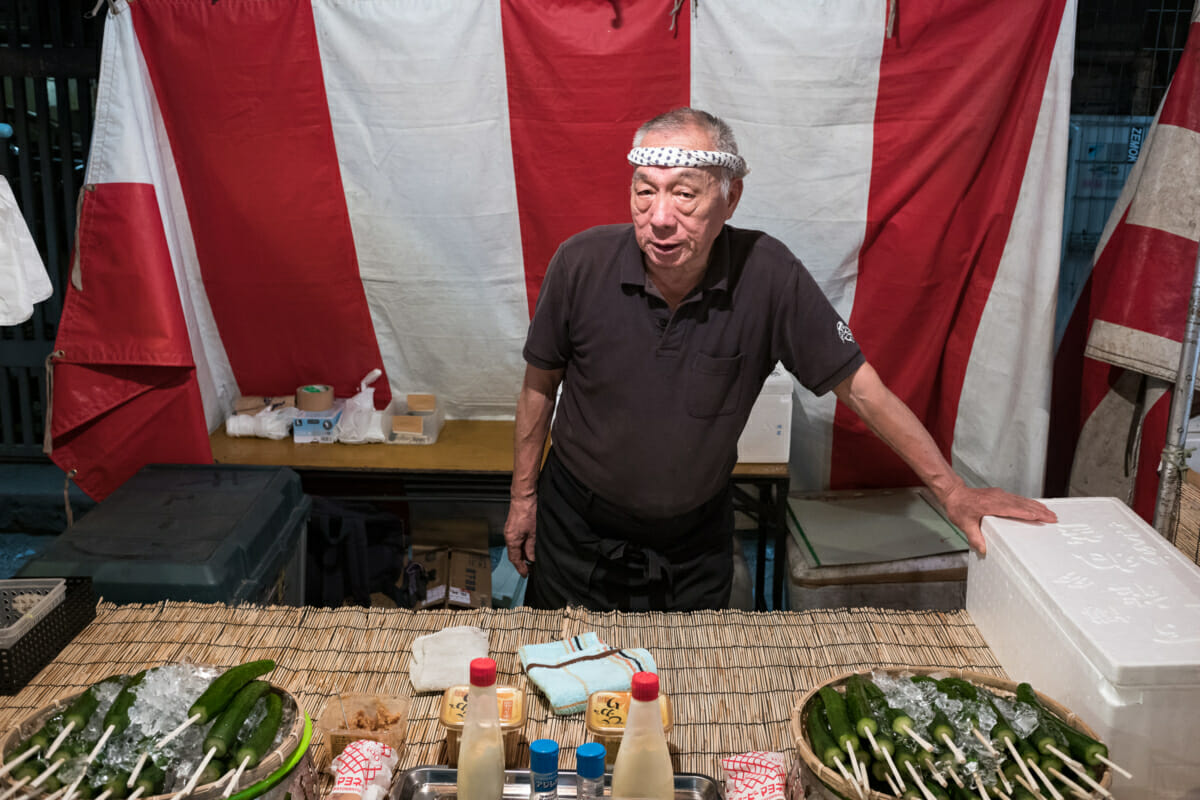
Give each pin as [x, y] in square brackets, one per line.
[680, 119]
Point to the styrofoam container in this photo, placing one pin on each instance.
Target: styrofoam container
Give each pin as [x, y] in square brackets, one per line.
[1101, 613]
[767, 436]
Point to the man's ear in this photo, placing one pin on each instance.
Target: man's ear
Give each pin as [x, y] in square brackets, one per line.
[735, 194]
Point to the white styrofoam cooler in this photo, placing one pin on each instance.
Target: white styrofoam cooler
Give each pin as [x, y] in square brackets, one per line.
[767, 436]
[1101, 613]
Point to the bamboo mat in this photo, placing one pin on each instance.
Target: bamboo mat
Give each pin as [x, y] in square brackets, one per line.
[732, 676]
[1187, 524]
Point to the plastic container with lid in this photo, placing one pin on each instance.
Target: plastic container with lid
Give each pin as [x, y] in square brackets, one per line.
[589, 770]
[607, 712]
[511, 704]
[1101, 613]
[543, 769]
[351, 716]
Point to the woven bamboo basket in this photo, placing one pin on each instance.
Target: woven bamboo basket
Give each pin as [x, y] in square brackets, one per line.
[834, 781]
[270, 763]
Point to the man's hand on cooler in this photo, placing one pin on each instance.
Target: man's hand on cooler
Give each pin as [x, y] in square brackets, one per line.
[520, 532]
[966, 507]
[363, 770]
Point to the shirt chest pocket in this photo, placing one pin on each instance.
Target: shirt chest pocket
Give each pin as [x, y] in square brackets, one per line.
[713, 385]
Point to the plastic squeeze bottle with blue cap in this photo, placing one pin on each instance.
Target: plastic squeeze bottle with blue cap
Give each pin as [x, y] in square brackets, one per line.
[643, 766]
[481, 747]
[589, 770]
[543, 770]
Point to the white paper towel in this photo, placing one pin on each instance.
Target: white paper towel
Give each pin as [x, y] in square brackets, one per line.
[443, 659]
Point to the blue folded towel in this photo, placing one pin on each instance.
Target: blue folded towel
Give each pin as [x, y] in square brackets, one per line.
[570, 670]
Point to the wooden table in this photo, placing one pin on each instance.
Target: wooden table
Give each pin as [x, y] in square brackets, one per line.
[472, 461]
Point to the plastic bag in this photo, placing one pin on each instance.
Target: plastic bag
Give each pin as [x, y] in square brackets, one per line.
[270, 423]
[364, 768]
[360, 422]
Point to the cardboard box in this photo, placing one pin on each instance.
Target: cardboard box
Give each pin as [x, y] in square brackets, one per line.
[435, 563]
[470, 580]
[317, 426]
[767, 436]
[1101, 613]
[460, 533]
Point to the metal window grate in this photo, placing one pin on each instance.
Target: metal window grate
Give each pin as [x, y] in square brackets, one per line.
[1125, 54]
[49, 63]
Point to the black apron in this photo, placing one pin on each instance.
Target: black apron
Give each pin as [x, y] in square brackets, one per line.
[594, 554]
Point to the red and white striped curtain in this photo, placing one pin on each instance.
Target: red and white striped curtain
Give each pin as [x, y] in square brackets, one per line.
[293, 191]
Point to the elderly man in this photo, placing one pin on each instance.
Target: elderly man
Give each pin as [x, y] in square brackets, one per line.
[661, 334]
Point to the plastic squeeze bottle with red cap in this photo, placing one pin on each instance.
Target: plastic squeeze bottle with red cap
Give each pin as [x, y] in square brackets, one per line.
[481, 746]
[643, 766]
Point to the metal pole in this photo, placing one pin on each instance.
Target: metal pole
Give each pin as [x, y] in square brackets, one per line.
[1174, 456]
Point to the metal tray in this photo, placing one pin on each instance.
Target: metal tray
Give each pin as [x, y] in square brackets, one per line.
[433, 783]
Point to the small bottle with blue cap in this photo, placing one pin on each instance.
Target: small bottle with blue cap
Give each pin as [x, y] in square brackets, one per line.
[543, 770]
[589, 770]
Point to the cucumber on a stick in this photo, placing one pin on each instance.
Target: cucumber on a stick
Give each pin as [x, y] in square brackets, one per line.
[945, 763]
[20, 754]
[79, 713]
[221, 736]
[1054, 767]
[151, 781]
[1090, 751]
[840, 726]
[1045, 779]
[116, 719]
[929, 762]
[115, 785]
[942, 731]
[219, 693]
[884, 742]
[256, 745]
[915, 774]
[225, 730]
[902, 724]
[820, 737]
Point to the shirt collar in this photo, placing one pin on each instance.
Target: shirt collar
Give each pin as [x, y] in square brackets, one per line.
[716, 277]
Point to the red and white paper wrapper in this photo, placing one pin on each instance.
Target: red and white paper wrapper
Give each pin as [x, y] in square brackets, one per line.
[363, 765]
[755, 776]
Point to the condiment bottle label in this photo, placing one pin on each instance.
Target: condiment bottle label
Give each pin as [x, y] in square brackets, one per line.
[610, 710]
[507, 702]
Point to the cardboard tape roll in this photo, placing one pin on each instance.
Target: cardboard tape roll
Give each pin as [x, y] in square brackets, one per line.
[314, 397]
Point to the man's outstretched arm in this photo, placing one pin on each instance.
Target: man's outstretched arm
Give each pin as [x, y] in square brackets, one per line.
[893, 422]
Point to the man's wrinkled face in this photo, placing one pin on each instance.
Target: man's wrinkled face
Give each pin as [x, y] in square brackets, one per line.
[678, 211]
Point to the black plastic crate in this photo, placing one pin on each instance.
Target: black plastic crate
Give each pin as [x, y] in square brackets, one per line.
[38, 646]
[210, 533]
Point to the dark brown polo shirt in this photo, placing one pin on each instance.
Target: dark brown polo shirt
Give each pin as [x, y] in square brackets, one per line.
[652, 402]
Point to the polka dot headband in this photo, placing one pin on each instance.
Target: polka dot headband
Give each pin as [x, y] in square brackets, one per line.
[678, 157]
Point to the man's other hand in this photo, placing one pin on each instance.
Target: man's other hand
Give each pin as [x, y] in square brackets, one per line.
[966, 507]
[520, 532]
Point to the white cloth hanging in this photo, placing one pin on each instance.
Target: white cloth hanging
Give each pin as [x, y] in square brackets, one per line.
[23, 278]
